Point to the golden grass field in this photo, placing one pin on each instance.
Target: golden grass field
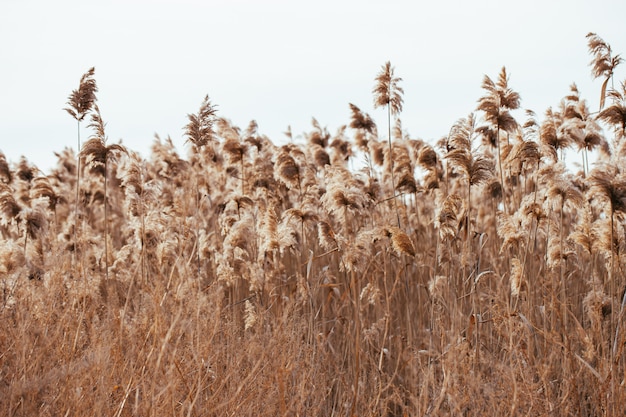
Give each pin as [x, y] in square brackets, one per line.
[350, 274]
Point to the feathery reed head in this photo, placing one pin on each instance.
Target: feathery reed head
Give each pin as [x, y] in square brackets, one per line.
[97, 124]
[43, 189]
[82, 99]
[344, 193]
[603, 62]
[319, 136]
[494, 189]
[95, 150]
[428, 157]
[616, 113]
[387, 92]
[377, 151]
[476, 167]
[565, 192]
[341, 147]
[524, 155]
[326, 236]
[360, 120]
[449, 217]
[608, 183]
[234, 149]
[34, 221]
[403, 170]
[25, 171]
[5, 170]
[400, 241]
[497, 103]
[199, 130]
[286, 169]
[320, 156]
[9, 208]
[597, 306]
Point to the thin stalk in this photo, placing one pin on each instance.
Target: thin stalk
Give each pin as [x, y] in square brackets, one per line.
[477, 319]
[612, 289]
[500, 168]
[198, 227]
[393, 179]
[562, 277]
[523, 273]
[77, 198]
[545, 262]
[468, 237]
[611, 280]
[143, 242]
[106, 224]
[357, 345]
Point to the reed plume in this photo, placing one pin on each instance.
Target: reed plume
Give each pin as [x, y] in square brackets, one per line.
[320, 156]
[5, 170]
[563, 192]
[9, 207]
[80, 102]
[496, 106]
[400, 241]
[235, 150]
[319, 135]
[615, 114]
[200, 130]
[475, 167]
[583, 128]
[43, 189]
[140, 196]
[344, 195]
[603, 63]
[35, 224]
[200, 133]
[608, 183]
[428, 158]
[403, 170]
[525, 155]
[361, 121]
[98, 156]
[387, 92]
[287, 171]
[340, 147]
[326, 236]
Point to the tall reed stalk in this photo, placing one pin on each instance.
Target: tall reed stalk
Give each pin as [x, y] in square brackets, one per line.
[98, 156]
[80, 102]
[387, 93]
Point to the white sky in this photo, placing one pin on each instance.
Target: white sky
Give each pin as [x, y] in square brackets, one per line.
[282, 62]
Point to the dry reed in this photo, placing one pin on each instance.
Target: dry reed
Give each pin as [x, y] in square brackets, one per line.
[248, 278]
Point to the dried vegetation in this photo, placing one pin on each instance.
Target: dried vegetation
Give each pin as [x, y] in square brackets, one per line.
[478, 276]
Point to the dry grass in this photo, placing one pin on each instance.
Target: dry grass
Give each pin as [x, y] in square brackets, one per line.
[475, 277]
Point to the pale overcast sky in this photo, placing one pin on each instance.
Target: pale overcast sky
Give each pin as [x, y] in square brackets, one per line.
[282, 62]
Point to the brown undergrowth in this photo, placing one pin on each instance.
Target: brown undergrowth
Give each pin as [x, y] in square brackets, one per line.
[475, 276]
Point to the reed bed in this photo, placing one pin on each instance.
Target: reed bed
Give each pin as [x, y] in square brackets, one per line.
[476, 276]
